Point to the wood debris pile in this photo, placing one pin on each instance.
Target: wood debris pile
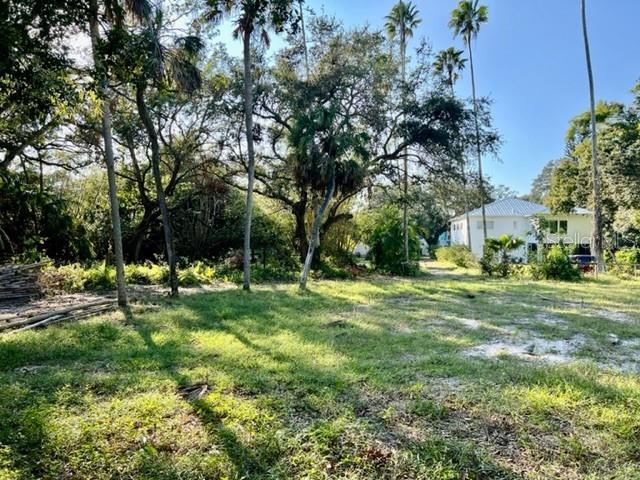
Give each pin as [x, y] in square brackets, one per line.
[19, 283]
[74, 312]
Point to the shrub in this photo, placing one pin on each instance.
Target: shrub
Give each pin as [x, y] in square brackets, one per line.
[386, 242]
[497, 259]
[76, 278]
[626, 260]
[146, 274]
[459, 255]
[555, 265]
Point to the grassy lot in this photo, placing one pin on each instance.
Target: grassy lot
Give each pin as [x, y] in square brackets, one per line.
[376, 378]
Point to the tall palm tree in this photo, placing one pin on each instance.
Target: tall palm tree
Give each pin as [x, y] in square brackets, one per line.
[251, 16]
[176, 67]
[449, 63]
[466, 20]
[139, 9]
[595, 164]
[400, 24]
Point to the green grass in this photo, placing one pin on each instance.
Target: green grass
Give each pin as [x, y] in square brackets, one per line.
[355, 379]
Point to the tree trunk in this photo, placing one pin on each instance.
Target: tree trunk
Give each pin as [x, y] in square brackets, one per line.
[315, 230]
[465, 194]
[109, 155]
[405, 159]
[304, 41]
[300, 213]
[595, 164]
[157, 178]
[248, 119]
[478, 150]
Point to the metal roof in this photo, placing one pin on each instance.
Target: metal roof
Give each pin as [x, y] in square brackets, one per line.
[516, 207]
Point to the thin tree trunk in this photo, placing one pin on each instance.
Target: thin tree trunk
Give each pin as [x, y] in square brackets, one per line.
[299, 212]
[405, 180]
[304, 42]
[315, 230]
[157, 178]
[465, 194]
[478, 151]
[109, 155]
[595, 164]
[248, 119]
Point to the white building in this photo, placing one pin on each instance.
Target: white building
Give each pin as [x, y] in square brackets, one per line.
[513, 216]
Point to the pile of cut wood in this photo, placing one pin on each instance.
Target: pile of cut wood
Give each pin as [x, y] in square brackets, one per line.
[19, 283]
[74, 312]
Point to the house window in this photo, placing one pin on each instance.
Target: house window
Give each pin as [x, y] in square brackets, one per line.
[489, 224]
[560, 227]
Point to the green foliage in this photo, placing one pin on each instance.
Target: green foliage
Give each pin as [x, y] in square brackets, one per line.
[459, 255]
[626, 260]
[78, 278]
[618, 135]
[497, 259]
[35, 221]
[555, 265]
[146, 274]
[386, 242]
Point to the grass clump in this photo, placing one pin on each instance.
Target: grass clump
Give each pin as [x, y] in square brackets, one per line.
[458, 255]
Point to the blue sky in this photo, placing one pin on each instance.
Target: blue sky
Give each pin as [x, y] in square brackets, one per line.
[529, 59]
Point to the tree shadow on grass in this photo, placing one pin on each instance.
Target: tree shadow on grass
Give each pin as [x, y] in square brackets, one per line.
[277, 350]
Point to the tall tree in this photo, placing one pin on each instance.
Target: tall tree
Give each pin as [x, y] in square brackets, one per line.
[141, 10]
[595, 167]
[449, 63]
[400, 24]
[253, 16]
[466, 20]
[150, 66]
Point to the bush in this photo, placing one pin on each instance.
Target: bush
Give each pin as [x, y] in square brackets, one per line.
[626, 260]
[555, 265]
[497, 259]
[76, 278]
[385, 240]
[146, 274]
[459, 255]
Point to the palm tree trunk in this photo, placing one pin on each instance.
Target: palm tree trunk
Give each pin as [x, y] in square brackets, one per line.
[315, 230]
[595, 164]
[248, 118]
[109, 156]
[405, 180]
[465, 194]
[478, 151]
[157, 178]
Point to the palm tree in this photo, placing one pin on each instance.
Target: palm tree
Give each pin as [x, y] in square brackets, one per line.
[164, 66]
[466, 20]
[252, 16]
[400, 24]
[449, 63]
[139, 9]
[595, 165]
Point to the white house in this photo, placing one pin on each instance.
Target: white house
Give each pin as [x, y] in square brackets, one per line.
[513, 216]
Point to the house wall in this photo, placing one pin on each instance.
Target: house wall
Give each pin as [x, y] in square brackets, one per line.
[579, 228]
[496, 226]
[578, 231]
